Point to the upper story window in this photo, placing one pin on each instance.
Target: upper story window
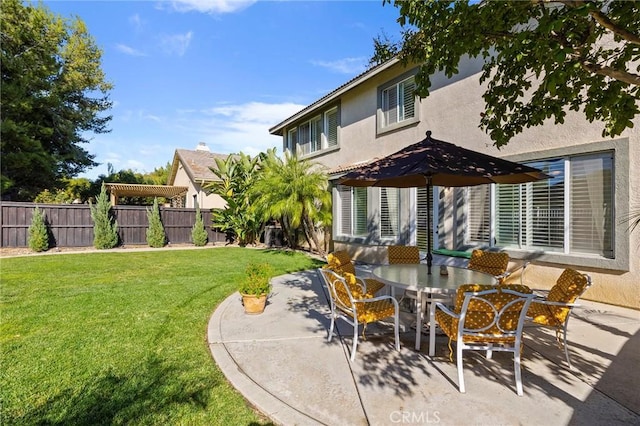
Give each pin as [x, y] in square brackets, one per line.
[397, 104]
[314, 135]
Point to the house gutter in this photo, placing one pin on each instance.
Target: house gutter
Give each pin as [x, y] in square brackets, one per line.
[279, 128]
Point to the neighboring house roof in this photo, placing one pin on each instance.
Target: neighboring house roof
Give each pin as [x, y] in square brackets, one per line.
[354, 82]
[196, 164]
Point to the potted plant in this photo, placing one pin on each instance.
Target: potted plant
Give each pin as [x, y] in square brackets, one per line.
[255, 287]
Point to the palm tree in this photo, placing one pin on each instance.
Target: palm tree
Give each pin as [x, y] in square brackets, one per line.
[240, 218]
[294, 192]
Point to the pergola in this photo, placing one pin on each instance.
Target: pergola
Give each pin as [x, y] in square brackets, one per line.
[137, 190]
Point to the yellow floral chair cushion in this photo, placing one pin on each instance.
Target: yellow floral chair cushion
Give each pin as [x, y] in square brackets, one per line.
[569, 286]
[403, 254]
[340, 263]
[490, 262]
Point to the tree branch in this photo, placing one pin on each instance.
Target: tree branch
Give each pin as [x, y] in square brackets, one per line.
[608, 24]
[624, 76]
[604, 20]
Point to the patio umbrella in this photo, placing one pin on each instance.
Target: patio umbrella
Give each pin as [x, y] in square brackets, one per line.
[434, 162]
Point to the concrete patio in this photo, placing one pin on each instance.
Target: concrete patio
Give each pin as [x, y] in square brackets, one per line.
[283, 365]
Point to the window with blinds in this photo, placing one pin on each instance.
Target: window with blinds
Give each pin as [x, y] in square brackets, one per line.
[344, 194]
[422, 211]
[591, 209]
[316, 134]
[360, 213]
[353, 211]
[398, 102]
[304, 137]
[331, 127]
[478, 215]
[389, 212]
[537, 215]
[292, 140]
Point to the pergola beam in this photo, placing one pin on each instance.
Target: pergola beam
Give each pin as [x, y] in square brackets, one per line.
[118, 190]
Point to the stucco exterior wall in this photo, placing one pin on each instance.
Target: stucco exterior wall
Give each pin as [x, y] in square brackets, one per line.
[452, 113]
[195, 192]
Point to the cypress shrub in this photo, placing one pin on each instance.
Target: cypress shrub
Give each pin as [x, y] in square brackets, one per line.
[38, 233]
[105, 228]
[155, 231]
[198, 233]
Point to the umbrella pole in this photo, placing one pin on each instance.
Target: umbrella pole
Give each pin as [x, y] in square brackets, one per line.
[429, 229]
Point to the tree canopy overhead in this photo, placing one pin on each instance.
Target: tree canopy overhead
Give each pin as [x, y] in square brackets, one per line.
[541, 57]
[53, 92]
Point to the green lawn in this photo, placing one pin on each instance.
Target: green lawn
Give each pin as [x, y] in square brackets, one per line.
[120, 338]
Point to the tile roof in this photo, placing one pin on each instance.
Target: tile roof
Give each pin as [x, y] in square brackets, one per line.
[196, 164]
[348, 167]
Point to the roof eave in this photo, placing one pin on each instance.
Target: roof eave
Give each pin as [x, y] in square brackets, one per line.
[279, 128]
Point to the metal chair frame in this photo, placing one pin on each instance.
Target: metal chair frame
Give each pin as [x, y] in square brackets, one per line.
[512, 337]
[542, 300]
[349, 312]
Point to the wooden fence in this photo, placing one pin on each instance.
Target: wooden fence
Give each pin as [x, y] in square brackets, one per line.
[70, 225]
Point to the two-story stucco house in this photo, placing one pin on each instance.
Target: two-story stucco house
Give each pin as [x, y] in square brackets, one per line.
[191, 169]
[579, 218]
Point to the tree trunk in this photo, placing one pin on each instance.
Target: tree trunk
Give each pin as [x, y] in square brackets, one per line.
[312, 231]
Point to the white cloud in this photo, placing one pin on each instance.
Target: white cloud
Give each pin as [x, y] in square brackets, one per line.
[345, 65]
[235, 128]
[176, 44]
[210, 6]
[137, 22]
[128, 50]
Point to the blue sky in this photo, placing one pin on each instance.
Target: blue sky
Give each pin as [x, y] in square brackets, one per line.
[219, 71]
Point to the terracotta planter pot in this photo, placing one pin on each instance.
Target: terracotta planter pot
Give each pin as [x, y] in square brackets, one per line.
[254, 304]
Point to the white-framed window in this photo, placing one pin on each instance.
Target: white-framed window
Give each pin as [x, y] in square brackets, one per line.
[316, 134]
[292, 140]
[398, 102]
[478, 229]
[353, 211]
[330, 134]
[570, 213]
[389, 212]
[422, 216]
[309, 135]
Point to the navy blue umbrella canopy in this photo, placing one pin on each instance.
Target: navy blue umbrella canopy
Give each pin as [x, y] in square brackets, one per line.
[434, 162]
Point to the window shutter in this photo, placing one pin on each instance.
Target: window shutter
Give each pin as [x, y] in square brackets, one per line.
[304, 137]
[360, 214]
[591, 209]
[508, 215]
[478, 214]
[544, 214]
[344, 193]
[293, 140]
[316, 134]
[390, 105]
[389, 212]
[407, 93]
[422, 216]
[332, 127]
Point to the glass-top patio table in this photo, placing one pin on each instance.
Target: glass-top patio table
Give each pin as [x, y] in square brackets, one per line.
[416, 277]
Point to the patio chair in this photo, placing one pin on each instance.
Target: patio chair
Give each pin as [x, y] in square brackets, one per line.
[340, 262]
[485, 317]
[406, 255]
[356, 311]
[555, 309]
[490, 262]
